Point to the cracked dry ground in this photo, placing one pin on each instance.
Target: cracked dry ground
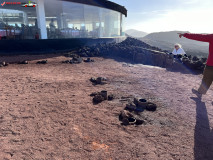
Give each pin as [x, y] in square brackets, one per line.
[46, 113]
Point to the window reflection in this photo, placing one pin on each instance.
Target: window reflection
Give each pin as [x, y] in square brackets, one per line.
[63, 20]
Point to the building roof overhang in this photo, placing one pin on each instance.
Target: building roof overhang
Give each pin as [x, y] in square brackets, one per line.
[104, 4]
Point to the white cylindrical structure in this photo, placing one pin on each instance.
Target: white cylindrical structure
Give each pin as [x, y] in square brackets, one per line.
[100, 34]
[40, 11]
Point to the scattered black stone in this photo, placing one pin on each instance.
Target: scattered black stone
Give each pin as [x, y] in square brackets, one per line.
[98, 81]
[101, 96]
[131, 107]
[76, 60]
[23, 62]
[101, 80]
[94, 94]
[93, 80]
[151, 107]
[139, 105]
[104, 94]
[111, 97]
[42, 62]
[4, 64]
[130, 114]
[124, 116]
[128, 118]
[139, 121]
[98, 99]
[89, 60]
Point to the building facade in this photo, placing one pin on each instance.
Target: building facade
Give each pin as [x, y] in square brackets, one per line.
[56, 19]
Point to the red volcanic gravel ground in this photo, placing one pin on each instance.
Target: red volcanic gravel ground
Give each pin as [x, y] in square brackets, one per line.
[46, 113]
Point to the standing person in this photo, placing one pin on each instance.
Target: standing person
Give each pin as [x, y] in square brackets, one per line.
[52, 29]
[208, 71]
[22, 31]
[36, 35]
[178, 50]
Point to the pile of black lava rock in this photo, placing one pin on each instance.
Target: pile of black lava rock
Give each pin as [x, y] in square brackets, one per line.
[129, 118]
[137, 51]
[130, 114]
[139, 105]
[193, 63]
[99, 97]
[99, 80]
[125, 48]
[75, 59]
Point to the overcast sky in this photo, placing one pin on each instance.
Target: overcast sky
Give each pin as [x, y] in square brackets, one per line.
[169, 15]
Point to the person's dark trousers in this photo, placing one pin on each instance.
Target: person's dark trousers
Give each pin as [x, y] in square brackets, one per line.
[207, 80]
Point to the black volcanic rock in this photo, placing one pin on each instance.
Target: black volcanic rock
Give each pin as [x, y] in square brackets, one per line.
[139, 52]
[23, 62]
[151, 106]
[42, 62]
[89, 60]
[98, 99]
[195, 58]
[99, 80]
[111, 97]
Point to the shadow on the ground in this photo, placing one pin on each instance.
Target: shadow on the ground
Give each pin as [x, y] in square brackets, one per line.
[203, 135]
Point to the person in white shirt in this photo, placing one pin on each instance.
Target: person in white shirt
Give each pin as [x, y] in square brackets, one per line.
[178, 50]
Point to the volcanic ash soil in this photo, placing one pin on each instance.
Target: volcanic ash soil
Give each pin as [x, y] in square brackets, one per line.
[46, 112]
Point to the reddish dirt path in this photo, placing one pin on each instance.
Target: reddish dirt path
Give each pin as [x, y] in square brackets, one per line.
[46, 113]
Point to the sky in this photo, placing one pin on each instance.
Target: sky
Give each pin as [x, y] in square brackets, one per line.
[195, 16]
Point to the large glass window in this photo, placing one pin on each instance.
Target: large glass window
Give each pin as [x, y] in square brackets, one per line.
[75, 20]
[63, 20]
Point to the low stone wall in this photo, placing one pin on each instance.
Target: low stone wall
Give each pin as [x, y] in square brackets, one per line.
[137, 51]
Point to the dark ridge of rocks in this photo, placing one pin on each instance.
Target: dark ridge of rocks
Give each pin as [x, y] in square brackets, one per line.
[139, 52]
